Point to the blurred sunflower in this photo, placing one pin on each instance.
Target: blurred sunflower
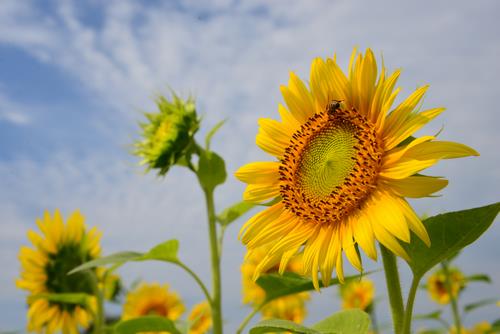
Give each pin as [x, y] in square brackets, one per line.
[357, 294]
[168, 134]
[436, 285]
[345, 163]
[291, 307]
[200, 318]
[152, 299]
[483, 327]
[56, 250]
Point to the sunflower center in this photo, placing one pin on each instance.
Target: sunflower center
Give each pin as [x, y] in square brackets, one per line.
[155, 309]
[58, 281]
[330, 166]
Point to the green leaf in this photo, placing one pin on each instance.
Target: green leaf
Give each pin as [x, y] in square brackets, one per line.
[166, 251]
[279, 325]
[233, 212]
[212, 132]
[67, 298]
[277, 286]
[116, 258]
[478, 278]
[427, 316]
[449, 233]
[211, 170]
[352, 321]
[472, 306]
[146, 324]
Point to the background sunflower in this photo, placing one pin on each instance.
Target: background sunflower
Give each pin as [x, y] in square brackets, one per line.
[56, 250]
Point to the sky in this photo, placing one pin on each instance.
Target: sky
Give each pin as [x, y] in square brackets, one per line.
[75, 77]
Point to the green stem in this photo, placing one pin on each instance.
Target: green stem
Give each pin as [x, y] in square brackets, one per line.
[373, 315]
[393, 288]
[247, 319]
[99, 315]
[409, 305]
[453, 300]
[197, 279]
[216, 277]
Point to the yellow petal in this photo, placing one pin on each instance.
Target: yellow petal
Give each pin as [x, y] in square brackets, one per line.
[440, 150]
[388, 240]
[405, 168]
[363, 234]
[261, 192]
[298, 99]
[259, 172]
[269, 144]
[349, 249]
[409, 125]
[414, 222]
[416, 186]
[259, 221]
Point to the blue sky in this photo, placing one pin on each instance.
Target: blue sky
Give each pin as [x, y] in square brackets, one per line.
[75, 77]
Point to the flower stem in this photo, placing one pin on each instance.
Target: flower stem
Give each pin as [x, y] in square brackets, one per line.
[197, 279]
[453, 300]
[247, 319]
[393, 288]
[409, 305]
[216, 277]
[99, 315]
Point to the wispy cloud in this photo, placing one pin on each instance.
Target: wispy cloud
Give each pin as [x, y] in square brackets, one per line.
[12, 112]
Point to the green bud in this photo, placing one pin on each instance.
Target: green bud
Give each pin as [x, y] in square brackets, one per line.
[168, 134]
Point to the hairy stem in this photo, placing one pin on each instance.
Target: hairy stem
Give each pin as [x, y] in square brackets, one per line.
[197, 279]
[247, 319]
[216, 277]
[453, 300]
[409, 305]
[393, 288]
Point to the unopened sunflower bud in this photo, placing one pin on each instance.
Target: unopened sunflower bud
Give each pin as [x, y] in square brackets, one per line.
[167, 134]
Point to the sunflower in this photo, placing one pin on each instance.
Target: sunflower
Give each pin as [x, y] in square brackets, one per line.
[168, 134]
[292, 307]
[436, 285]
[200, 318]
[152, 299]
[482, 327]
[357, 294]
[345, 161]
[56, 250]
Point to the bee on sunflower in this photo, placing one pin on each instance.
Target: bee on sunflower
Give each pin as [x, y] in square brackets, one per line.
[344, 163]
[58, 249]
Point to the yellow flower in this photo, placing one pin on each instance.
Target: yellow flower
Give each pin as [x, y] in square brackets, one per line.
[168, 134]
[357, 294]
[152, 299]
[342, 169]
[436, 285]
[480, 328]
[200, 318]
[56, 250]
[291, 307]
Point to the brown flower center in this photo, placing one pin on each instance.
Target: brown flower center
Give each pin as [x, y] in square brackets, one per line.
[330, 166]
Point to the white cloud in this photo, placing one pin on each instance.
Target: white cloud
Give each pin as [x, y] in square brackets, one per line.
[233, 57]
[12, 112]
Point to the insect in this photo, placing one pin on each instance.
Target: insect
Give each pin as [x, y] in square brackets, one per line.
[333, 107]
